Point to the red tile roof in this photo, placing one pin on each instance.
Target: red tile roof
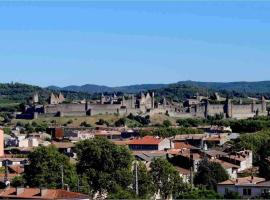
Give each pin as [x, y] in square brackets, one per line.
[182, 145]
[18, 169]
[147, 140]
[243, 181]
[35, 193]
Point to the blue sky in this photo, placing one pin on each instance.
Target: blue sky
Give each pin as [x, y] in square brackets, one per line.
[123, 43]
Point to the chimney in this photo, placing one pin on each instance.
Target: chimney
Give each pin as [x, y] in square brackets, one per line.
[19, 190]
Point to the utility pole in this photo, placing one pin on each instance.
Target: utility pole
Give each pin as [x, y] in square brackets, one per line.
[62, 176]
[136, 179]
[191, 168]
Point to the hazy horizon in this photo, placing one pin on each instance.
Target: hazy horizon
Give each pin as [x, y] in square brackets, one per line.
[53, 85]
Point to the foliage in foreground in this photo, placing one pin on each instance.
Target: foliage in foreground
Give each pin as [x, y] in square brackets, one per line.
[44, 169]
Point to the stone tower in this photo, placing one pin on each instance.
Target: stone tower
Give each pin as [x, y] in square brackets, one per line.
[264, 108]
[164, 102]
[102, 99]
[253, 109]
[206, 112]
[153, 100]
[61, 98]
[35, 98]
[132, 101]
[53, 99]
[228, 108]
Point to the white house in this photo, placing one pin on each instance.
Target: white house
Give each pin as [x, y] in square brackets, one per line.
[28, 142]
[247, 187]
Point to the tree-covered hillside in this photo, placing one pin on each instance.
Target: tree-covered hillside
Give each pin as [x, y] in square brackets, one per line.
[20, 93]
[244, 89]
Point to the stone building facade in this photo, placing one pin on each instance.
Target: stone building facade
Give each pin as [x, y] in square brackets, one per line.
[144, 104]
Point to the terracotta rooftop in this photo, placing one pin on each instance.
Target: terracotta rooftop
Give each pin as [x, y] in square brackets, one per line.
[147, 140]
[224, 164]
[243, 181]
[35, 193]
[182, 145]
[183, 171]
[17, 169]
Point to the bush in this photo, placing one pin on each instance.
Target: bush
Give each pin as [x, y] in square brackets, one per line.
[167, 123]
[85, 124]
[121, 122]
[102, 122]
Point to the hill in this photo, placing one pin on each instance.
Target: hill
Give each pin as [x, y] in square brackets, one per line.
[91, 89]
[247, 87]
[182, 89]
[20, 93]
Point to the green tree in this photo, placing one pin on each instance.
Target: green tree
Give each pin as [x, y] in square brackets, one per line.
[18, 181]
[199, 194]
[121, 193]
[120, 122]
[106, 166]
[145, 182]
[85, 124]
[102, 122]
[264, 163]
[210, 174]
[7, 130]
[167, 123]
[44, 169]
[29, 128]
[166, 179]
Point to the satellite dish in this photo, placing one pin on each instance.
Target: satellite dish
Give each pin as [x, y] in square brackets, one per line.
[7, 183]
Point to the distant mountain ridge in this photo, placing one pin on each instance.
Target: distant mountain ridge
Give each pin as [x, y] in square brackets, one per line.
[91, 88]
[241, 86]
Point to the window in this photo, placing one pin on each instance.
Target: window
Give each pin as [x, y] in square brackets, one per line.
[265, 191]
[226, 190]
[247, 192]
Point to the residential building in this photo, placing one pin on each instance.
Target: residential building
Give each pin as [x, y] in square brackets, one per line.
[150, 143]
[247, 187]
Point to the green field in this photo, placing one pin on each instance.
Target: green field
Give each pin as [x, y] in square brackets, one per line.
[70, 121]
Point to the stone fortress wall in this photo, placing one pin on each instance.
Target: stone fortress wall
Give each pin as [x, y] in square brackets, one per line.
[144, 104]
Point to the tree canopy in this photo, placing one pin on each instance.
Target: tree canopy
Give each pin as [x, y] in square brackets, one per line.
[166, 179]
[210, 174]
[44, 169]
[106, 166]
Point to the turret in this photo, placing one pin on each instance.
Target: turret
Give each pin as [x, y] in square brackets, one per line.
[102, 99]
[253, 109]
[264, 109]
[164, 102]
[123, 101]
[61, 98]
[228, 108]
[153, 100]
[206, 113]
[35, 98]
[132, 101]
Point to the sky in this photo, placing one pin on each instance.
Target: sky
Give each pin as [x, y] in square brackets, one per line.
[123, 43]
